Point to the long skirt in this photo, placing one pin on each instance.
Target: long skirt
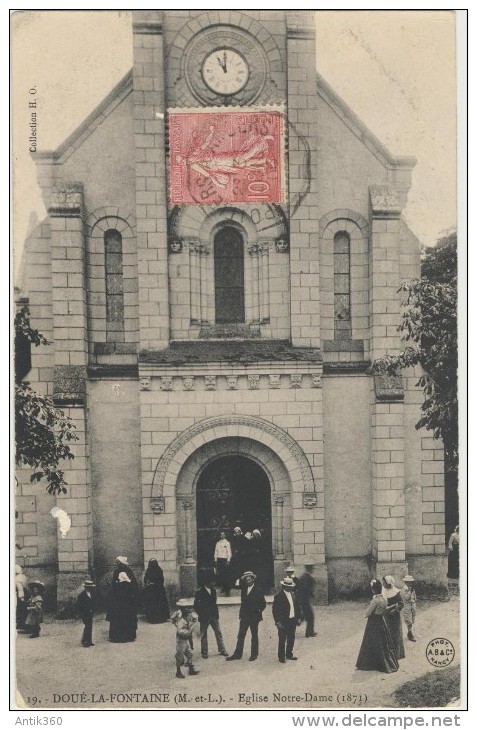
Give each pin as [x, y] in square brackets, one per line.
[156, 606]
[377, 649]
[393, 619]
[453, 563]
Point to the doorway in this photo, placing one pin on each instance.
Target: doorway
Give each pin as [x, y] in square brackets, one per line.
[234, 491]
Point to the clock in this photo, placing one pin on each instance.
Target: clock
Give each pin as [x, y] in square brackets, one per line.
[225, 71]
[221, 66]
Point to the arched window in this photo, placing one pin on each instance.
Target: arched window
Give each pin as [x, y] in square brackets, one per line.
[342, 290]
[229, 276]
[113, 254]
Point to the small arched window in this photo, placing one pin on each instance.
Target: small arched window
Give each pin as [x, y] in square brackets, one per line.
[113, 254]
[229, 276]
[342, 287]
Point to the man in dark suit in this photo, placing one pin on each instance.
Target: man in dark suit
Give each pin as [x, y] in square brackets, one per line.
[306, 593]
[285, 614]
[205, 606]
[251, 608]
[85, 610]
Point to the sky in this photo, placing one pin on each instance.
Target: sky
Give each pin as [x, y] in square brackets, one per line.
[395, 69]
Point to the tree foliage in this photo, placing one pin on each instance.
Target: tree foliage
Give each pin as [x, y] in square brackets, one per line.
[42, 431]
[429, 324]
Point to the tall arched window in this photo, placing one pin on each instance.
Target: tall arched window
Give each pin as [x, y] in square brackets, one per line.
[229, 276]
[342, 289]
[113, 254]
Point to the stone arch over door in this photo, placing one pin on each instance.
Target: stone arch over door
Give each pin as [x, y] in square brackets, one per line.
[178, 471]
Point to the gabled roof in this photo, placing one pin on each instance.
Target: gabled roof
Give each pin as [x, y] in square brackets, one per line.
[125, 86]
[359, 129]
[88, 125]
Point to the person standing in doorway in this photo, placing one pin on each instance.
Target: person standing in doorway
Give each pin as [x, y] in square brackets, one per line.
[222, 558]
[409, 610]
[23, 595]
[306, 593]
[251, 608]
[453, 559]
[35, 609]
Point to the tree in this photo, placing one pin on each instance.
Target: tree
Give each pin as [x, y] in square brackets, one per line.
[42, 431]
[429, 322]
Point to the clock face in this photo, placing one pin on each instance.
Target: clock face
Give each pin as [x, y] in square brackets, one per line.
[225, 71]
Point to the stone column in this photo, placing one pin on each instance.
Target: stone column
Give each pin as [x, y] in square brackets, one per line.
[279, 502]
[151, 179]
[194, 283]
[75, 549]
[264, 294]
[188, 569]
[253, 251]
[387, 406]
[204, 251]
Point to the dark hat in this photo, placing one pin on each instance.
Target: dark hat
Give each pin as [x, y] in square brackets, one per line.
[309, 565]
[37, 583]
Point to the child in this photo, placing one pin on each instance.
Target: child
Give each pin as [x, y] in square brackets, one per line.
[183, 621]
[85, 610]
[409, 610]
[35, 609]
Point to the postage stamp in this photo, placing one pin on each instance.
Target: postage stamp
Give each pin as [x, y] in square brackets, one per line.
[220, 155]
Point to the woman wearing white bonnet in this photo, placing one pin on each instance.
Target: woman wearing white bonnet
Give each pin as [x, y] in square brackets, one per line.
[395, 605]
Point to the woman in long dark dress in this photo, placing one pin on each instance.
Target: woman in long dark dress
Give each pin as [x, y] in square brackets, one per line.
[377, 649]
[453, 559]
[122, 613]
[156, 606]
[395, 605]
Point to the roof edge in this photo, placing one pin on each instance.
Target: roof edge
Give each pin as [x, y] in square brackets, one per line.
[122, 89]
[359, 129]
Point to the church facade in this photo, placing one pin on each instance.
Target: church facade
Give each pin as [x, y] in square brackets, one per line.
[218, 270]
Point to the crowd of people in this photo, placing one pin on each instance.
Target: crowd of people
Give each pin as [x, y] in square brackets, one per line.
[381, 649]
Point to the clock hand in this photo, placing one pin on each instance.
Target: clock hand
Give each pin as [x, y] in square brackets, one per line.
[221, 64]
[225, 62]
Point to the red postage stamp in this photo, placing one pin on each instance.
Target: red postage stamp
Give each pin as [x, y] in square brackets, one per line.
[223, 156]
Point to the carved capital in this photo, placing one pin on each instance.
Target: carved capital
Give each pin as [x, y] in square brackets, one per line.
[166, 383]
[279, 500]
[385, 202]
[232, 382]
[66, 201]
[310, 500]
[145, 383]
[210, 382]
[253, 381]
[69, 385]
[188, 382]
[274, 381]
[253, 249]
[158, 505]
[295, 380]
[388, 387]
[186, 503]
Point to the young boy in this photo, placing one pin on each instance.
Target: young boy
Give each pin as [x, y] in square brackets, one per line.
[85, 610]
[183, 620]
[409, 610]
[35, 609]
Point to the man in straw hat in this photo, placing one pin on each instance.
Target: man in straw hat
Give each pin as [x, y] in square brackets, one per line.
[85, 610]
[285, 614]
[251, 608]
